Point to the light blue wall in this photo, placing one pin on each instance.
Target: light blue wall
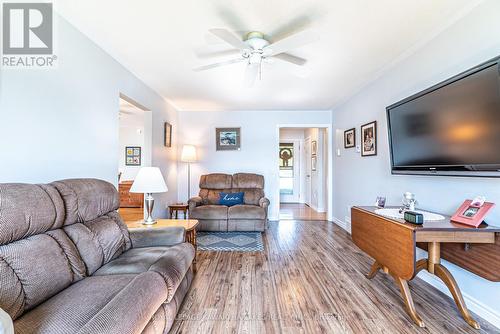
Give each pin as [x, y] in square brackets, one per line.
[359, 180]
[63, 122]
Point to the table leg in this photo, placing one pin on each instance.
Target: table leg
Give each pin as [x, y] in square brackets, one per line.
[191, 238]
[374, 270]
[176, 214]
[171, 211]
[434, 264]
[410, 306]
[421, 264]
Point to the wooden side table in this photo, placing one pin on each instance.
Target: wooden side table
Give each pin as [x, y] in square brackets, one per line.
[176, 208]
[188, 224]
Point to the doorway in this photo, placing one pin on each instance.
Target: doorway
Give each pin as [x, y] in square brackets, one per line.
[304, 172]
[135, 150]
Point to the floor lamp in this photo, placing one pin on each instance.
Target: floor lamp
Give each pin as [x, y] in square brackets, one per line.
[188, 155]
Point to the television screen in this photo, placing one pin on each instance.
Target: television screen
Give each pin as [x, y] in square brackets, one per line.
[452, 128]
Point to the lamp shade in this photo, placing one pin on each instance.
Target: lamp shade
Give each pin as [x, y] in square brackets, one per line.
[188, 153]
[149, 180]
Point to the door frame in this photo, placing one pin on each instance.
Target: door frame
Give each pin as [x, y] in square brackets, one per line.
[307, 172]
[329, 176]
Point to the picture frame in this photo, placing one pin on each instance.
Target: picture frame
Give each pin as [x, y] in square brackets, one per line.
[167, 133]
[313, 163]
[314, 147]
[380, 201]
[228, 139]
[133, 155]
[470, 214]
[369, 139]
[350, 138]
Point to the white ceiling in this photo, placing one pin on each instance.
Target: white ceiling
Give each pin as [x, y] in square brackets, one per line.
[156, 40]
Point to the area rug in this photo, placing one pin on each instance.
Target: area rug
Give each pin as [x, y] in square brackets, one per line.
[230, 241]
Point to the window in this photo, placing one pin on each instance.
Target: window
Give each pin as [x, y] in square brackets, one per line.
[286, 155]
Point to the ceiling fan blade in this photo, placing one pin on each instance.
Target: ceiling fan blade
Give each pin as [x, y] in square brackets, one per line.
[292, 42]
[290, 59]
[251, 73]
[229, 38]
[210, 66]
[203, 53]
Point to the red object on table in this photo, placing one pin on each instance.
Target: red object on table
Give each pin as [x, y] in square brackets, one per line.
[470, 214]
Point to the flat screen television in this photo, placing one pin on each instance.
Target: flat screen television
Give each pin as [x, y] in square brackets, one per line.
[452, 128]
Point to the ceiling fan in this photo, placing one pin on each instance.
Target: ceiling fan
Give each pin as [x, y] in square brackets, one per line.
[254, 49]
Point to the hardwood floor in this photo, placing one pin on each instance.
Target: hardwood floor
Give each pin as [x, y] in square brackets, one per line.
[309, 279]
[298, 211]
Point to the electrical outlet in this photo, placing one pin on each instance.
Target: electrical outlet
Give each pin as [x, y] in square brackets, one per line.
[358, 148]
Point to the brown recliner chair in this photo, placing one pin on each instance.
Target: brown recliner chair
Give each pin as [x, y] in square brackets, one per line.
[249, 216]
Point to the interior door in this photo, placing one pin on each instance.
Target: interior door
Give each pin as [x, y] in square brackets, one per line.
[307, 172]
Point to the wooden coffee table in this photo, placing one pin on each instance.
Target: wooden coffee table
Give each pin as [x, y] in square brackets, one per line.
[188, 224]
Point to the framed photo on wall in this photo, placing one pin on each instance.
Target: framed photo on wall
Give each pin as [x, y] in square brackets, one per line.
[369, 139]
[132, 156]
[228, 139]
[167, 132]
[314, 147]
[350, 138]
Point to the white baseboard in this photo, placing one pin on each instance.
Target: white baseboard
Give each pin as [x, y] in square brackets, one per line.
[473, 304]
[345, 225]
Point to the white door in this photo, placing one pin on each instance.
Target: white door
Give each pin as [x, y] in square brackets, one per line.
[307, 171]
[290, 172]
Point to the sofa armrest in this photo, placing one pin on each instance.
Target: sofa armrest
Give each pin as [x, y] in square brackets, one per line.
[194, 202]
[154, 237]
[264, 202]
[6, 324]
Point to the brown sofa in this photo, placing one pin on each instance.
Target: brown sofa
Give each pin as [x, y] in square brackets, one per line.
[68, 264]
[250, 216]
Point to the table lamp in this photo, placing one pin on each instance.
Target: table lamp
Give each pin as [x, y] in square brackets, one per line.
[149, 181]
[188, 155]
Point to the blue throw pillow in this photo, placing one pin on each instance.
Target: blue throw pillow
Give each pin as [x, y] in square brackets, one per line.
[230, 199]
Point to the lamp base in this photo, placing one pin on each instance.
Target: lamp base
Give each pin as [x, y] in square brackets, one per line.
[150, 202]
[148, 222]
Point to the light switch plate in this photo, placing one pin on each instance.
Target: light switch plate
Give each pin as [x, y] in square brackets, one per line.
[358, 148]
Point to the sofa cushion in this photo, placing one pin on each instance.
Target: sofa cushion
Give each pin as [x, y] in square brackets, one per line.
[100, 240]
[216, 181]
[67, 311]
[243, 211]
[133, 261]
[247, 180]
[86, 199]
[209, 212]
[99, 304]
[171, 263]
[36, 268]
[251, 196]
[28, 209]
[211, 196]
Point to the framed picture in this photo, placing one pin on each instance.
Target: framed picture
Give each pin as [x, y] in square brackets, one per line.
[313, 163]
[228, 139]
[167, 132]
[369, 139]
[350, 138]
[132, 156]
[314, 147]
